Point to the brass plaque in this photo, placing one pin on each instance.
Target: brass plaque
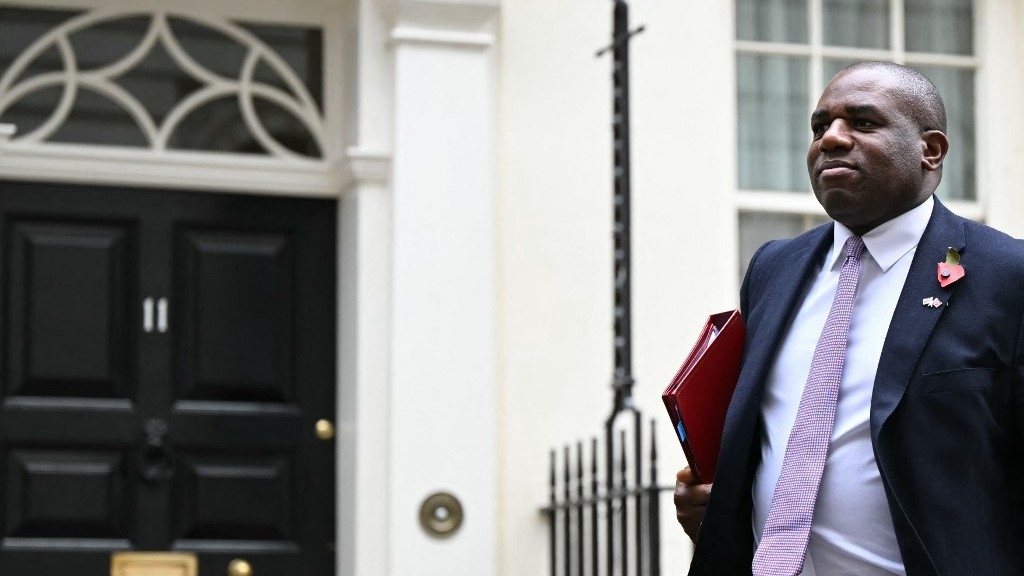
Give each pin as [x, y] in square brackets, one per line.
[153, 564]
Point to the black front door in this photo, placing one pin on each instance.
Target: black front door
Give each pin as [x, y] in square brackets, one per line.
[165, 358]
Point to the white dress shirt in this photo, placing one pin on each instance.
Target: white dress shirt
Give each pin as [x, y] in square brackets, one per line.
[852, 531]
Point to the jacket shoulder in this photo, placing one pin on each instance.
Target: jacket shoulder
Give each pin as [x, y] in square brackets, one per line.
[984, 240]
[778, 252]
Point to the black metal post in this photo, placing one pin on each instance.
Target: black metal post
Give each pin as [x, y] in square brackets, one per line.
[653, 514]
[622, 381]
[624, 509]
[638, 481]
[553, 515]
[579, 509]
[594, 510]
[617, 496]
[567, 518]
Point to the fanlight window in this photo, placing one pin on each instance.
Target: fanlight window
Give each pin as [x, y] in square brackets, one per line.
[161, 81]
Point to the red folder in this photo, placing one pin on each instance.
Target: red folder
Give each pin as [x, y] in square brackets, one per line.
[698, 397]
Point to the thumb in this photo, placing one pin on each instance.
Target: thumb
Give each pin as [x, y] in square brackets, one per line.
[685, 476]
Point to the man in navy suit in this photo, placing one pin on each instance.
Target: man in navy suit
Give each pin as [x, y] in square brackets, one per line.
[925, 468]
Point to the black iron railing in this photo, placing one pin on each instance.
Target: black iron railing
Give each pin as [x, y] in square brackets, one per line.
[605, 526]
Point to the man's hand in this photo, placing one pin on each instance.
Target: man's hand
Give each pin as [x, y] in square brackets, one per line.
[691, 500]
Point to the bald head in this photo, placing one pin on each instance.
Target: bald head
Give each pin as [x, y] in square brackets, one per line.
[923, 101]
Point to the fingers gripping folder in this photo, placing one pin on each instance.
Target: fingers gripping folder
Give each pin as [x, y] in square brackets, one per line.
[699, 394]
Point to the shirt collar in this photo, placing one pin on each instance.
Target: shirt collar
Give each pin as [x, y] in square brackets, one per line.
[887, 242]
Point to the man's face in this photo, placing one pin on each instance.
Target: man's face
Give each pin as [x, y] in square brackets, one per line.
[865, 159]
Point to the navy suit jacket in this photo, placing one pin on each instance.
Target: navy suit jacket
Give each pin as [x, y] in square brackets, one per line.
[947, 410]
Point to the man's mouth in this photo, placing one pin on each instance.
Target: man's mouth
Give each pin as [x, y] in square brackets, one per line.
[835, 168]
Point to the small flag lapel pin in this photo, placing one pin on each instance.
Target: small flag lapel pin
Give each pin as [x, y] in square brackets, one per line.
[932, 302]
[950, 271]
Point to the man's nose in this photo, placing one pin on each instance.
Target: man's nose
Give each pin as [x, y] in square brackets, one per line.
[836, 136]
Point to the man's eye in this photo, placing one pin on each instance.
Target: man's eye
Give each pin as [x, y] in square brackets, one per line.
[862, 123]
[818, 129]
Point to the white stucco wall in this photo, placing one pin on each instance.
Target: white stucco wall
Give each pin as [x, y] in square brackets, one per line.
[555, 221]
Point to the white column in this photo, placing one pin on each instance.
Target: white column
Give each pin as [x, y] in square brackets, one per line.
[443, 428]
[364, 296]
[364, 301]
[999, 114]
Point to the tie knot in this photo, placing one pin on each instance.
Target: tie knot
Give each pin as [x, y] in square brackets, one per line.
[854, 247]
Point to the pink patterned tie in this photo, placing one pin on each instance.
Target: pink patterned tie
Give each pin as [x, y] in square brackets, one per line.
[783, 545]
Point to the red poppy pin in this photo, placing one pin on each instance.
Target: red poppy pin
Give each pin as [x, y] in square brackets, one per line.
[950, 271]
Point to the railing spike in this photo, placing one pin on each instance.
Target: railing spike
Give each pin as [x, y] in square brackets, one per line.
[567, 517]
[594, 510]
[579, 508]
[552, 514]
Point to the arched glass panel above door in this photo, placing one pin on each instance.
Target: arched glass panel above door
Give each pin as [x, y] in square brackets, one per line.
[162, 81]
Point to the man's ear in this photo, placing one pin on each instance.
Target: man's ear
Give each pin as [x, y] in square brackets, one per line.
[934, 146]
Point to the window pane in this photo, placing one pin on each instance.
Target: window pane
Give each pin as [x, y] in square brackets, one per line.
[860, 23]
[945, 26]
[958, 172]
[772, 20]
[773, 127]
[756, 228]
[94, 119]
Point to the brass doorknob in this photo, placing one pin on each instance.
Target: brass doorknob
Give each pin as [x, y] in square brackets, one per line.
[324, 429]
[239, 567]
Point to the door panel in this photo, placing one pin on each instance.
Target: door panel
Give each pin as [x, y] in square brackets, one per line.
[227, 497]
[69, 286]
[221, 425]
[66, 494]
[68, 421]
[236, 289]
[192, 430]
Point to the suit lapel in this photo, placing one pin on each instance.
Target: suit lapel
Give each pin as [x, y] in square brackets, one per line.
[783, 292]
[783, 296]
[912, 322]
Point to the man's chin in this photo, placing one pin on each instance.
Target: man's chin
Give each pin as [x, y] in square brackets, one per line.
[838, 200]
